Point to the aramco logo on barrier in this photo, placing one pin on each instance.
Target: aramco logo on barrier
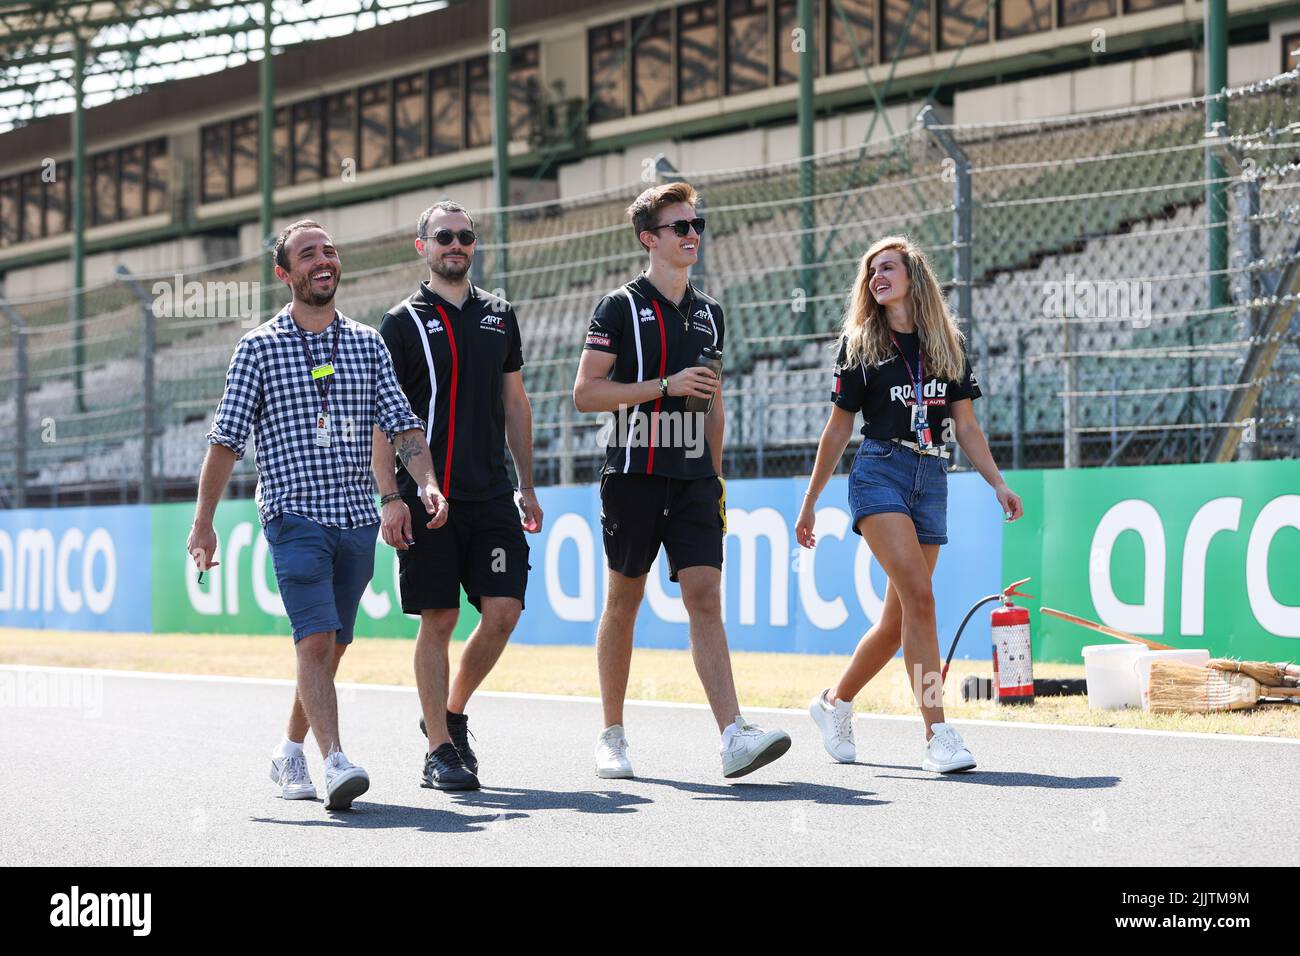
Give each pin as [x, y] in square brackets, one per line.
[1218, 516]
[79, 570]
[572, 545]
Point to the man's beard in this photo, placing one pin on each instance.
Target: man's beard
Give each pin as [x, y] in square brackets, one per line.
[449, 270]
[304, 291]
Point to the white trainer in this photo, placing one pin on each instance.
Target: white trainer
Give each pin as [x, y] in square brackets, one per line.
[946, 752]
[751, 747]
[611, 754]
[836, 724]
[290, 774]
[344, 782]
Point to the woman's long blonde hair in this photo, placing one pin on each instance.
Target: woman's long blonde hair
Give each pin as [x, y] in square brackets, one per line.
[866, 329]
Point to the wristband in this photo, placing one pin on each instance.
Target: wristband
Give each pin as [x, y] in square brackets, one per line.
[663, 387]
[524, 488]
[395, 496]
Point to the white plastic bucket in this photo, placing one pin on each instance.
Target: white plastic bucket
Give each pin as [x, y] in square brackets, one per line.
[1112, 677]
[1142, 666]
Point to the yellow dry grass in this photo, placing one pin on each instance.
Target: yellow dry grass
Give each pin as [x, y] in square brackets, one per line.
[764, 680]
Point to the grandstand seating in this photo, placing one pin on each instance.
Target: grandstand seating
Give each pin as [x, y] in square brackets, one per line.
[1117, 198]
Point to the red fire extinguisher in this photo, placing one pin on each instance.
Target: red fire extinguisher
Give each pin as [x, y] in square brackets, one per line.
[1013, 661]
[1013, 658]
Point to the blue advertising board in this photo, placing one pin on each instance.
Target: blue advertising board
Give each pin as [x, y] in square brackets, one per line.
[76, 568]
[776, 595]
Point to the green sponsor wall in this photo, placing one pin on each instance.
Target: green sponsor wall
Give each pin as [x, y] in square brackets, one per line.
[1120, 545]
[1248, 594]
[239, 596]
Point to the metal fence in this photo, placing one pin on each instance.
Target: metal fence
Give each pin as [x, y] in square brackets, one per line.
[1074, 252]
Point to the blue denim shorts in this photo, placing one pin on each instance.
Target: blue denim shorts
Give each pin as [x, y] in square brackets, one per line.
[889, 477]
[322, 573]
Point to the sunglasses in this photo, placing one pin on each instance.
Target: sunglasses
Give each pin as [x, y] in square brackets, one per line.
[444, 237]
[683, 226]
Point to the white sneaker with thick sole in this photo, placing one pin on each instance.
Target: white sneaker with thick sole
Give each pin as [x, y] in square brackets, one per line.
[946, 752]
[751, 747]
[836, 725]
[611, 754]
[344, 782]
[290, 774]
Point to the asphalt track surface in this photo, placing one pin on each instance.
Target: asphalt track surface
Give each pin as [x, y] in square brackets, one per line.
[140, 770]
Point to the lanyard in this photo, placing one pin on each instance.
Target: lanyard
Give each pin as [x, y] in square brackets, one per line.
[325, 381]
[918, 423]
[919, 382]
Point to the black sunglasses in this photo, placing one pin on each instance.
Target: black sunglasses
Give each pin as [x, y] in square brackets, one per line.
[682, 226]
[444, 237]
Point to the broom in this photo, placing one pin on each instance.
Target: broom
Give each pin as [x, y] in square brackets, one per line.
[1103, 629]
[1280, 674]
[1180, 688]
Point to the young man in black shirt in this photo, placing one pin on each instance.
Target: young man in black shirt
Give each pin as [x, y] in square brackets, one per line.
[457, 352]
[662, 481]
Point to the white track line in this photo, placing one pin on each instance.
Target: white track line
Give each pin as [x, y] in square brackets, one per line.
[680, 705]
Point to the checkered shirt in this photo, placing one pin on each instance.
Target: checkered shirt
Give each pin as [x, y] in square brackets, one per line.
[270, 391]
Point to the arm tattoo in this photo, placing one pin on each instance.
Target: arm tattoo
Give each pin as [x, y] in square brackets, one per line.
[408, 449]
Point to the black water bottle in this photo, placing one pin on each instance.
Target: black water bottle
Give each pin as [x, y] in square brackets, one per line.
[711, 358]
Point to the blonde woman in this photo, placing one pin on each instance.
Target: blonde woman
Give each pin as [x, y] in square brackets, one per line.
[902, 364]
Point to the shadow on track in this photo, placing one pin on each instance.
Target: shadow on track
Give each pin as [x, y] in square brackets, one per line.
[989, 778]
[387, 816]
[441, 818]
[772, 792]
[581, 801]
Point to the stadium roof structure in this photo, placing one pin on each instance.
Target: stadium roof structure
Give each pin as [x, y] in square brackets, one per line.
[123, 47]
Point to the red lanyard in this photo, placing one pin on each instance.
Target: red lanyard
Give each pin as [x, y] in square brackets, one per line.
[919, 383]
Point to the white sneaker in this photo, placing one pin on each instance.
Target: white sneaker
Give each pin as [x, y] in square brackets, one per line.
[290, 773]
[836, 725]
[946, 753]
[344, 781]
[611, 754]
[751, 747]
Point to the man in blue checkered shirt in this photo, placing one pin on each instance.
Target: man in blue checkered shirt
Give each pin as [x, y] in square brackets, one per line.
[311, 384]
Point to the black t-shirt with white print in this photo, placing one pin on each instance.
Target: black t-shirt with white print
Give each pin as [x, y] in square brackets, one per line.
[653, 338]
[451, 364]
[883, 393]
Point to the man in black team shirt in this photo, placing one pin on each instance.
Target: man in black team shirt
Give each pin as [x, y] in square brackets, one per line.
[457, 352]
[662, 481]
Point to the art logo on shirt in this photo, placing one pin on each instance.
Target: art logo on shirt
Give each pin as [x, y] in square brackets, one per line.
[705, 313]
[933, 390]
[433, 325]
[647, 315]
[495, 323]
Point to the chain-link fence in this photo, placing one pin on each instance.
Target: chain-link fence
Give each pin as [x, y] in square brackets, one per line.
[1074, 252]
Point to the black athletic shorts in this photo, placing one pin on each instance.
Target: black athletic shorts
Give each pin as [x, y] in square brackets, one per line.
[641, 512]
[480, 548]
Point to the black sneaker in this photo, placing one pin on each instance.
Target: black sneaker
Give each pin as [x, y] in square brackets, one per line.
[458, 728]
[444, 770]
